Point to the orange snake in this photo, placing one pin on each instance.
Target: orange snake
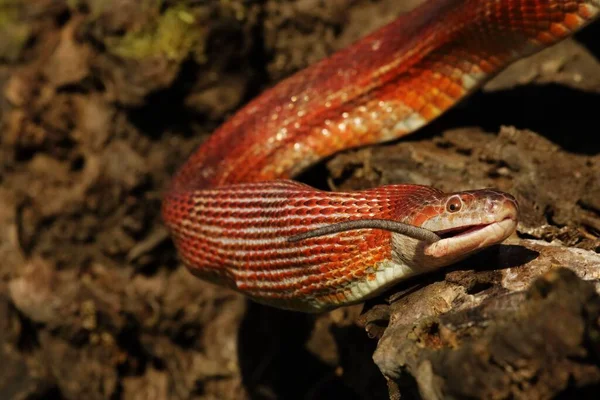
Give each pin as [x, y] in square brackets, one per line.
[238, 221]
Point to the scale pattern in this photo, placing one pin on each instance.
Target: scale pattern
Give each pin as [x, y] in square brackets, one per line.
[245, 227]
[230, 208]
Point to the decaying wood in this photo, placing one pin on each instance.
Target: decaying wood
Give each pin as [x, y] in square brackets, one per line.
[523, 327]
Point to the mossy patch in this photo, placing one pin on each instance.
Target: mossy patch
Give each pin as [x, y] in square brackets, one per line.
[173, 35]
[14, 31]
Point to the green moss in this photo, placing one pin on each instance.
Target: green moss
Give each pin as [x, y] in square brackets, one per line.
[173, 35]
[14, 31]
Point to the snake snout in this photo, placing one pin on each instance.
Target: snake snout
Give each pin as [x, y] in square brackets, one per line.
[500, 205]
[489, 205]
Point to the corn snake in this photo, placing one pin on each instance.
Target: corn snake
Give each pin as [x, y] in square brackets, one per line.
[233, 208]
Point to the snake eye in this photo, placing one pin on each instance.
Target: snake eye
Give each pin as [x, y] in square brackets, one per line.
[453, 204]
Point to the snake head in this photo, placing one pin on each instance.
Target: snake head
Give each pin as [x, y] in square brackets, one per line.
[467, 222]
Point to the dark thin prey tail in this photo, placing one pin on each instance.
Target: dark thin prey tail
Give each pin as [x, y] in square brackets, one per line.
[384, 224]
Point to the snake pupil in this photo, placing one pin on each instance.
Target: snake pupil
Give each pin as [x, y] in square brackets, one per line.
[454, 204]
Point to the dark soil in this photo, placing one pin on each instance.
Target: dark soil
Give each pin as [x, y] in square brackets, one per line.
[101, 101]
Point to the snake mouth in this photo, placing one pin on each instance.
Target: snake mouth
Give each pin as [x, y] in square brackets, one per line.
[459, 231]
[465, 239]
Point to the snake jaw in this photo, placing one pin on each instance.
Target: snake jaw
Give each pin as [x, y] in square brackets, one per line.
[472, 239]
[486, 218]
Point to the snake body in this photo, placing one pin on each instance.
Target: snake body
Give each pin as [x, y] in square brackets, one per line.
[232, 208]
